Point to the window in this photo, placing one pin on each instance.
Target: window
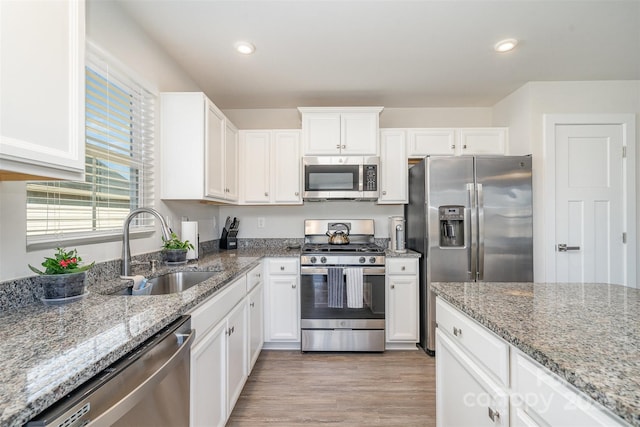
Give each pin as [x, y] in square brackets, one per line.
[119, 137]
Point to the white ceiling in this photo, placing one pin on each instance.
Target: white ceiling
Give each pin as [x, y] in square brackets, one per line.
[392, 53]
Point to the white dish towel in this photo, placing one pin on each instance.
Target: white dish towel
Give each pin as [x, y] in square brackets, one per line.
[354, 287]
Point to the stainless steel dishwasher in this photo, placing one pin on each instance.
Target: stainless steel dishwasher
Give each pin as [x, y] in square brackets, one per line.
[147, 387]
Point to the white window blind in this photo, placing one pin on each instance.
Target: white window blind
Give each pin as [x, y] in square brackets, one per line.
[119, 137]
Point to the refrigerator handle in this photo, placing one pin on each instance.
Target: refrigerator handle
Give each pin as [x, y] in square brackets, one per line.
[480, 232]
[471, 232]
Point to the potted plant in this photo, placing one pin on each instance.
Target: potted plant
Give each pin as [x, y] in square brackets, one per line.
[63, 277]
[174, 249]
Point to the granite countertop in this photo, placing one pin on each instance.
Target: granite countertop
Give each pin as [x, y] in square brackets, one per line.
[588, 334]
[47, 351]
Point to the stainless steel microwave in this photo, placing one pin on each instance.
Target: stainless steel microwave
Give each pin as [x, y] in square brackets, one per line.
[340, 177]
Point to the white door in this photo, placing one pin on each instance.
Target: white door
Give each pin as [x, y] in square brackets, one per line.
[590, 203]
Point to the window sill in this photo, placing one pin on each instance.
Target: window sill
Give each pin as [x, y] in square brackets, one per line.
[50, 242]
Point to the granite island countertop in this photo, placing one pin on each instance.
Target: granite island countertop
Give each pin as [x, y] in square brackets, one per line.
[588, 334]
[47, 351]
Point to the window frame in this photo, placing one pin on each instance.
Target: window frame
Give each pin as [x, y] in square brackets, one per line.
[53, 240]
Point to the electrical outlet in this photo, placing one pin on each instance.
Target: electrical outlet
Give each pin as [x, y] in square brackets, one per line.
[261, 222]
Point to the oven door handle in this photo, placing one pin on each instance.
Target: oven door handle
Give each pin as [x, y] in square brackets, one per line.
[366, 271]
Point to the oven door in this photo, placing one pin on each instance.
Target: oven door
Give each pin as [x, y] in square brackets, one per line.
[315, 309]
[325, 327]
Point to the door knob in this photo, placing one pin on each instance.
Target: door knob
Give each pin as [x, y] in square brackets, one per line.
[562, 247]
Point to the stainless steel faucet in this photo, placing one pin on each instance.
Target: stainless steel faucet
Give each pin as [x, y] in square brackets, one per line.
[126, 250]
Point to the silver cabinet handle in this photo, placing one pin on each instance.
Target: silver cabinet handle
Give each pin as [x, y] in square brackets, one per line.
[252, 304]
[453, 146]
[403, 268]
[293, 286]
[338, 146]
[384, 193]
[258, 275]
[266, 194]
[393, 286]
[344, 146]
[296, 193]
[562, 247]
[494, 415]
[457, 331]
[464, 147]
[282, 268]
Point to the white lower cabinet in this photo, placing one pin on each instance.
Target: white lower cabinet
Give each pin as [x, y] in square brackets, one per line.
[465, 394]
[483, 380]
[256, 329]
[208, 379]
[282, 301]
[402, 300]
[237, 353]
[224, 346]
[540, 398]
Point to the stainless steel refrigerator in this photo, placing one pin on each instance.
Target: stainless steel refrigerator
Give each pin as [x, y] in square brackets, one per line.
[471, 219]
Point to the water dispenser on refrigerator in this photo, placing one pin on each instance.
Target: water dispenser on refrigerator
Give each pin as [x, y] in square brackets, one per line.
[451, 226]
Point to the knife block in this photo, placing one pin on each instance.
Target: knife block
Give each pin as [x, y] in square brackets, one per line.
[229, 239]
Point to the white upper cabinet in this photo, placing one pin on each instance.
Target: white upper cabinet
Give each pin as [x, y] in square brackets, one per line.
[393, 167]
[457, 142]
[230, 162]
[340, 131]
[199, 149]
[270, 167]
[42, 90]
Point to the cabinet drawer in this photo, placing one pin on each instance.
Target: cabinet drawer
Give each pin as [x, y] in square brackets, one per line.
[206, 315]
[283, 266]
[402, 266]
[489, 350]
[543, 396]
[254, 277]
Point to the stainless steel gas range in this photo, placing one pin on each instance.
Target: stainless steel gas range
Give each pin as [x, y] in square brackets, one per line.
[342, 287]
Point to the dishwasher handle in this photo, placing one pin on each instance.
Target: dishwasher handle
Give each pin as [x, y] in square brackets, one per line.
[124, 405]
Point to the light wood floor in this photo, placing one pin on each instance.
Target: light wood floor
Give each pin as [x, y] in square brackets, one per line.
[288, 388]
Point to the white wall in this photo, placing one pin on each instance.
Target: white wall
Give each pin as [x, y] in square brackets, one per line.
[113, 31]
[523, 112]
[289, 118]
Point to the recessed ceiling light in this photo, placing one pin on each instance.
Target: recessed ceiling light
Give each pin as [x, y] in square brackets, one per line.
[245, 48]
[505, 45]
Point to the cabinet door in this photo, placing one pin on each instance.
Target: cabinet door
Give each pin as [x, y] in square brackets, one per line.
[359, 133]
[473, 141]
[393, 167]
[230, 162]
[423, 142]
[236, 353]
[282, 308]
[321, 133]
[256, 329]
[465, 394]
[42, 89]
[402, 308]
[286, 168]
[208, 379]
[256, 160]
[214, 152]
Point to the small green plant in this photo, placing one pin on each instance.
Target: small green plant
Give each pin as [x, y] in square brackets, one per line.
[63, 262]
[175, 243]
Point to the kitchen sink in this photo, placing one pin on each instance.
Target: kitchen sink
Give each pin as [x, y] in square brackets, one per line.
[174, 282]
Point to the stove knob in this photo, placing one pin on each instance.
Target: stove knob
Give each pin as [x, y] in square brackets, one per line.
[372, 260]
[323, 260]
[313, 260]
[362, 260]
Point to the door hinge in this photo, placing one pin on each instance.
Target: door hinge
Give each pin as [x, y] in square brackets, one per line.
[624, 237]
[624, 152]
